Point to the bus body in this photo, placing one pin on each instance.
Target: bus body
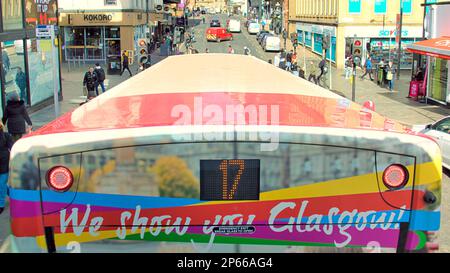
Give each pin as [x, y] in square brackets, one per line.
[221, 163]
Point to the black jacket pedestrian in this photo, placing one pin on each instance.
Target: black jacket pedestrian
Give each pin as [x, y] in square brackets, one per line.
[100, 73]
[90, 80]
[16, 115]
[6, 143]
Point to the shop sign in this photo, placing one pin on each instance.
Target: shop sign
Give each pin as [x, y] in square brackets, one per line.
[97, 17]
[391, 33]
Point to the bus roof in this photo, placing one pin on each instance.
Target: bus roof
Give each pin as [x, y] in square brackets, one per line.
[150, 97]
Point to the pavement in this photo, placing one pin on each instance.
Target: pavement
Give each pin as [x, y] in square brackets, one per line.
[393, 105]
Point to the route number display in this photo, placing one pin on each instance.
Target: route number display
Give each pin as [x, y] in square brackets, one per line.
[234, 179]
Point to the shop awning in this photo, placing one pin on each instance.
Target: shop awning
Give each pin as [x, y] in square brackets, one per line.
[439, 47]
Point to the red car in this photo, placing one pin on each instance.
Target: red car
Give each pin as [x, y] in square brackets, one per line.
[218, 34]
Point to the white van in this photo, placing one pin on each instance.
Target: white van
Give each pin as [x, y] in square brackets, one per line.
[272, 43]
[253, 28]
[234, 25]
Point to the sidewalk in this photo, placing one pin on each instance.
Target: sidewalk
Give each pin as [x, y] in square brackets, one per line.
[72, 85]
[394, 105]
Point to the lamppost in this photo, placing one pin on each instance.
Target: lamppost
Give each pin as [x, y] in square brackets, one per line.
[399, 35]
[276, 18]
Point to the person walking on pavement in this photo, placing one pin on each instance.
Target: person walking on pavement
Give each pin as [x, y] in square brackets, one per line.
[312, 72]
[100, 73]
[368, 68]
[125, 64]
[21, 81]
[289, 61]
[6, 143]
[348, 67]
[230, 49]
[90, 82]
[16, 117]
[206, 50]
[246, 50]
[390, 72]
[323, 69]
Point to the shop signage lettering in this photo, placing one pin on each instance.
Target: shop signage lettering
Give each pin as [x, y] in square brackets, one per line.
[97, 17]
[389, 33]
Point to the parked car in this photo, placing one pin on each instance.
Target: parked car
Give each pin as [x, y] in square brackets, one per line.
[440, 131]
[253, 28]
[234, 25]
[263, 36]
[271, 43]
[214, 23]
[260, 35]
[218, 34]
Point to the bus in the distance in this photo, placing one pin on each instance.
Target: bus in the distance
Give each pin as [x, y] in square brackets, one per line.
[223, 153]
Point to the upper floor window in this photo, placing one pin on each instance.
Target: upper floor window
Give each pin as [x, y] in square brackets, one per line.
[110, 2]
[407, 6]
[12, 14]
[354, 6]
[380, 6]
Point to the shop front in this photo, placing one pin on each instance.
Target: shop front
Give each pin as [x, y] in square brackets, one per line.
[437, 73]
[30, 65]
[380, 43]
[100, 37]
[312, 35]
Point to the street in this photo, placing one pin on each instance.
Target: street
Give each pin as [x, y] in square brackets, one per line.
[387, 105]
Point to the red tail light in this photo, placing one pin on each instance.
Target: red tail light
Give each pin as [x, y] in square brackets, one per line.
[395, 176]
[59, 179]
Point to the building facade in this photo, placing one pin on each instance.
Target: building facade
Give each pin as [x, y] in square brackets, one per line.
[357, 27]
[29, 64]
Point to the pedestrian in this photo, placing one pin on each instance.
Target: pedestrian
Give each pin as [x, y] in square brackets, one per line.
[390, 72]
[6, 143]
[269, 61]
[230, 49]
[125, 64]
[323, 69]
[289, 61]
[348, 67]
[5, 60]
[282, 63]
[312, 72]
[294, 58]
[21, 81]
[207, 50]
[16, 117]
[90, 82]
[100, 73]
[368, 68]
[246, 50]
[203, 19]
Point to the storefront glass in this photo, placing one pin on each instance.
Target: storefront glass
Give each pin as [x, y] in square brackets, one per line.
[308, 38]
[12, 14]
[14, 68]
[438, 79]
[74, 42]
[318, 43]
[41, 64]
[94, 43]
[382, 48]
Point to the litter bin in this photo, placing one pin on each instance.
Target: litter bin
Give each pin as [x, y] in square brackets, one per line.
[114, 65]
[380, 76]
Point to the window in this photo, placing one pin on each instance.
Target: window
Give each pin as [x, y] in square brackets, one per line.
[442, 126]
[380, 7]
[12, 14]
[14, 68]
[354, 6]
[407, 6]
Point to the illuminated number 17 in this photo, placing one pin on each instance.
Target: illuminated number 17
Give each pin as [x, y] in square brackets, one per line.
[229, 194]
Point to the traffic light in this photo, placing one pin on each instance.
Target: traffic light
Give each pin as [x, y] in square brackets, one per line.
[143, 50]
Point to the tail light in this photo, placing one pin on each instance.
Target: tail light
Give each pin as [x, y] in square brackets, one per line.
[59, 179]
[395, 176]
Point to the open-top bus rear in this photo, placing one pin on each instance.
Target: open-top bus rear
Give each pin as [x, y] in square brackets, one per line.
[207, 167]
